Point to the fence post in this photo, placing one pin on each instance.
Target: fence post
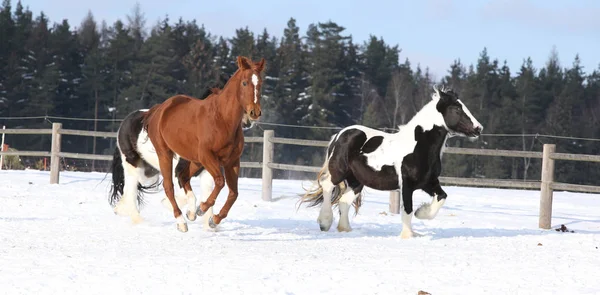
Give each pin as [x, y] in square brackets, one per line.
[55, 150]
[395, 202]
[2, 148]
[546, 187]
[267, 172]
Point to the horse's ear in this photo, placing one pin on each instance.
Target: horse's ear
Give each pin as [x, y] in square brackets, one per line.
[418, 132]
[260, 66]
[437, 92]
[244, 63]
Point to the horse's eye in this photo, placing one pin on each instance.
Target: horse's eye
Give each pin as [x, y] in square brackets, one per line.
[244, 83]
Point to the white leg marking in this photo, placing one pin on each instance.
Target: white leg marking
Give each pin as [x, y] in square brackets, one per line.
[127, 205]
[181, 225]
[430, 210]
[345, 204]
[255, 83]
[325, 218]
[207, 183]
[191, 200]
[407, 231]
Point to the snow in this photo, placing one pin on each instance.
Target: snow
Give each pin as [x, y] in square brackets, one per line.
[65, 239]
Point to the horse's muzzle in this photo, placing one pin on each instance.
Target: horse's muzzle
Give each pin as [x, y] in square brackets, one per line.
[475, 133]
[254, 113]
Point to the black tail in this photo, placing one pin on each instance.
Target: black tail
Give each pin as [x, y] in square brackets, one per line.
[118, 178]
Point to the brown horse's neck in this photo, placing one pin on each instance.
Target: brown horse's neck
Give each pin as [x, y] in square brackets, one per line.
[227, 103]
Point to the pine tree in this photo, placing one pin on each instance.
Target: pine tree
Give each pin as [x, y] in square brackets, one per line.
[527, 87]
[562, 119]
[221, 54]
[120, 56]
[380, 62]
[266, 48]
[326, 47]
[153, 80]
[399, 100]
[241, 44]
[7, 34]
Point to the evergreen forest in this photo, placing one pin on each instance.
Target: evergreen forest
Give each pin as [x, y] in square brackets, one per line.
[314, 84]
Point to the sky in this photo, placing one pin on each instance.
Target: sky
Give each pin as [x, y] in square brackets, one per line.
[431, 33]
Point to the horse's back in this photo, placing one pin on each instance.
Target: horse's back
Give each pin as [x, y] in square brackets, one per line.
[177, 101]
[174, 104]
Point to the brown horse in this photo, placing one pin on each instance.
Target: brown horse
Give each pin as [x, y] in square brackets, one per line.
[208, 134]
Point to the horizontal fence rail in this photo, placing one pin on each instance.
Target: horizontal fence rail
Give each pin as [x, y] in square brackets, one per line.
[546, 185]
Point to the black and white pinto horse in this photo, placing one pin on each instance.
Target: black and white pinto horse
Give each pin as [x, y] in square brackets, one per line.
[135, 170]
[410, 159]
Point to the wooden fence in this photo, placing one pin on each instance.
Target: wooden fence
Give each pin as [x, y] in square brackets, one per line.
[546, 186]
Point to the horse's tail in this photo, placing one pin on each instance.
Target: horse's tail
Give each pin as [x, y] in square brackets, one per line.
[118, 178]
[315, 196]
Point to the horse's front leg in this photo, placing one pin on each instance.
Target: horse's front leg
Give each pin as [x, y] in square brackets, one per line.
[430, 210]
[232, 172]
[407, 211]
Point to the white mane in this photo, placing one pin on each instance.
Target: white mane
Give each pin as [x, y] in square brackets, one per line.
[424, 117]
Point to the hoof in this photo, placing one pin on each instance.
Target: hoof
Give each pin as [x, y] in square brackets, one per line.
[325, 222]
[409, 234]
[191, 215]
[324, 227]
[182, 227]
[200, 212]
[344, 229]
[137, 220]
[211, 222]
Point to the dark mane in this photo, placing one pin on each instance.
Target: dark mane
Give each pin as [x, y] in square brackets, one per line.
[216, 87]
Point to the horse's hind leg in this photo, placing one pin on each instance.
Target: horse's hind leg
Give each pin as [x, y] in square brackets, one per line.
[127, 205]
[345, 203]
[180, 194]
[207, 185]
[166, 169]
[352, 190]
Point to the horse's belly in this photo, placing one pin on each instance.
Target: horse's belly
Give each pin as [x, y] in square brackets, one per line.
[385, 179]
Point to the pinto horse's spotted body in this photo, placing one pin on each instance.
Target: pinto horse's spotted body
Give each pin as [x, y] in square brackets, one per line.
[359, 156]
[208, 134]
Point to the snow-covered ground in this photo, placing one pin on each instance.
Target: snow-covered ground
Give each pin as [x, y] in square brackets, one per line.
[65, 239]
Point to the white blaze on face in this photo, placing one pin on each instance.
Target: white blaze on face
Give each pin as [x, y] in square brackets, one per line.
[476, 123]
[255, 83]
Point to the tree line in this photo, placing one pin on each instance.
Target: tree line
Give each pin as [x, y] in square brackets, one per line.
[322, 78]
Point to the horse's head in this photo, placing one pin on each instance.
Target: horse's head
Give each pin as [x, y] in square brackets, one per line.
[458, 119]
[250, 85]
